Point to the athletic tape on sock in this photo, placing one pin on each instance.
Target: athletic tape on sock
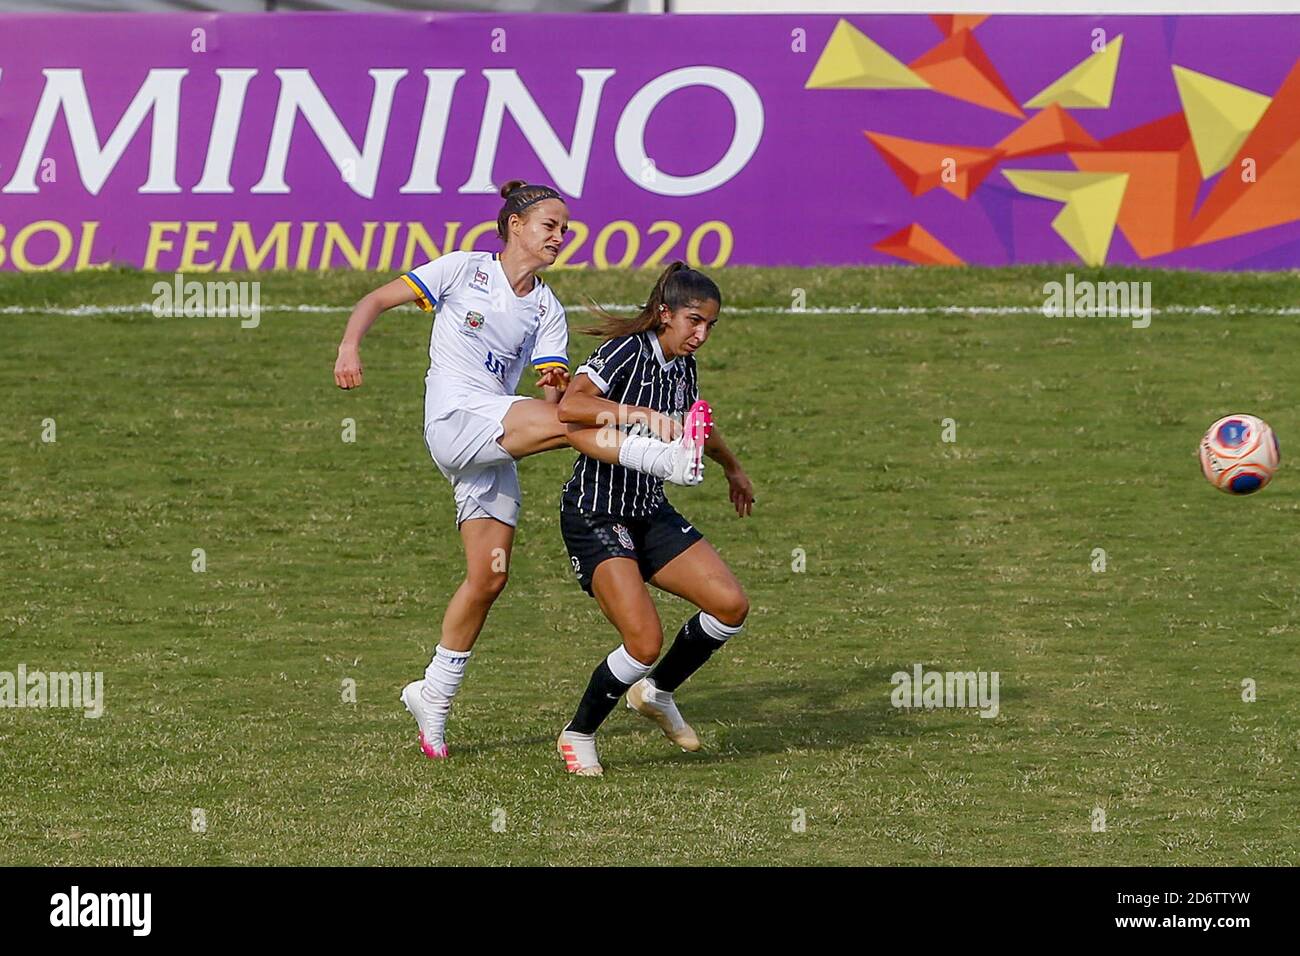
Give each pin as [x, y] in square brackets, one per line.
[445, 671]
[647, 455]
[716, 629]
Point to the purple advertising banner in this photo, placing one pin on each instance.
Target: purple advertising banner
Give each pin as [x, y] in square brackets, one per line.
[303, 141]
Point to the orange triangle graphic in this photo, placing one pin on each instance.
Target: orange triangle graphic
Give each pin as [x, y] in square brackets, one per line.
[950, 23]
[914, 244]
[1051, 131]
[923, 166]
[959, 67]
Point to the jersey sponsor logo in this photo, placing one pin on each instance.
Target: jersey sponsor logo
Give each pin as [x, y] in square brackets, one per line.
[480, 280]
[596, 362]
[624, 537]
[474, 321]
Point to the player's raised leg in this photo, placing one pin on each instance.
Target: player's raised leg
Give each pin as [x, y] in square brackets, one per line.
[700, 576]
[487, 544]
[622, 596]
[534, 426]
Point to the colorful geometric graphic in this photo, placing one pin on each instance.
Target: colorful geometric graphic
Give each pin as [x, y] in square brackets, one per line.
[1089, 86]
[950, 23]
[959, 67]
[851, 60]
[1245, 200]
[1163, 181]
[1092, 202]
[923, 166]
[1219, 161]
[1220, 116]
[914, 244]
[1051, 131]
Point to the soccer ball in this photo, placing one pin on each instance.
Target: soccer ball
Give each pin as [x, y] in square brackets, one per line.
[1239, 454]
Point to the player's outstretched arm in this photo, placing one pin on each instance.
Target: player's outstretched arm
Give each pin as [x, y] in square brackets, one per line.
[741, 488]
[347, 367]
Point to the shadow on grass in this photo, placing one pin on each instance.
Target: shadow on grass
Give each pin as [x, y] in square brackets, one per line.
[749, 720]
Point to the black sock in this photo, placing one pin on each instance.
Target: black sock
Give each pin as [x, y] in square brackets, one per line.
[600, 697]
[687, 655]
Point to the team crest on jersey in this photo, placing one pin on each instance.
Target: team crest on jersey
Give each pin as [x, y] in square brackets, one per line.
[480, 280]
[541, 311]
[474, 321]
[624, 537]
[679, 401]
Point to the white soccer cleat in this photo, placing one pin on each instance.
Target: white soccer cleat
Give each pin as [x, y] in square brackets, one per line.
[688, 450]
[432, 719]
[649, 701]
[579, 753]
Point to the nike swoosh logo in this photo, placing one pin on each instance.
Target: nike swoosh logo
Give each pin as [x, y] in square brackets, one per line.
[612, 696]
[686, 529]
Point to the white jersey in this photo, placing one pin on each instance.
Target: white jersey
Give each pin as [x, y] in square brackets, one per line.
[484, 334]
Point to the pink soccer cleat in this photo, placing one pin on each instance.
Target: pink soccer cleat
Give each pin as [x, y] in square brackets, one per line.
[688, 460]
[433, 752]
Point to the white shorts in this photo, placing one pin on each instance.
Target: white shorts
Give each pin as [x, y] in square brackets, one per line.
[462, 441]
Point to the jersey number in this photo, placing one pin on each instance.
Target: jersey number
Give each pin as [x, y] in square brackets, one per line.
[495, 365]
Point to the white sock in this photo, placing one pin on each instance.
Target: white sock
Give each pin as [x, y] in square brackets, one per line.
[443, 675]
[648, 455]
[711, 626]
[625, 667]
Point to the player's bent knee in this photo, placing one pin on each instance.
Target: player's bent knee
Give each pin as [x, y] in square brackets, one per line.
[488, 587]
[645, 648]
[732, 608]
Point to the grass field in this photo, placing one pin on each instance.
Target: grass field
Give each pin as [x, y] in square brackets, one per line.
[327, 561]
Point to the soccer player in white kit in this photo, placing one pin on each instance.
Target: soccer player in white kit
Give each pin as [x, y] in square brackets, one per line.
[494, 317]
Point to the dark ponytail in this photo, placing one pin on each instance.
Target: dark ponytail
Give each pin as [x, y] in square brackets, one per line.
[677, 287]
[518, 196]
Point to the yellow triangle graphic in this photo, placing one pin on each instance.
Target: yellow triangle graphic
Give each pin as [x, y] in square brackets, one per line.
[1086, 87]
[852, 60]
[1220, 116]
[1092, 202]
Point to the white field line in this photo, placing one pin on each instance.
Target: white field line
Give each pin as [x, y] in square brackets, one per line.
[144, 308]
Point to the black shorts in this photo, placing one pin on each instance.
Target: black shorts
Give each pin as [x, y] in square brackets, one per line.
[651, 541]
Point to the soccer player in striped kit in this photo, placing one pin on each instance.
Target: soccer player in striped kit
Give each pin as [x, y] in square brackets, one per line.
[494, 317]
[620, 530]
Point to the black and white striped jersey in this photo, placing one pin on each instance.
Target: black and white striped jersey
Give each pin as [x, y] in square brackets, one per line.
[630, 370]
